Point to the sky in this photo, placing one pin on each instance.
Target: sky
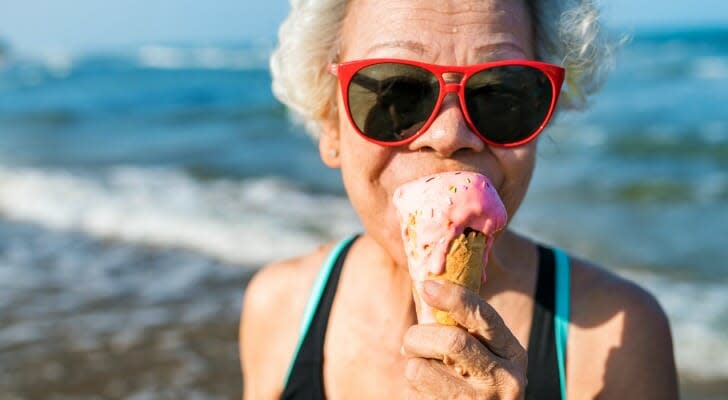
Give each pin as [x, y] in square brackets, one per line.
[79, 25]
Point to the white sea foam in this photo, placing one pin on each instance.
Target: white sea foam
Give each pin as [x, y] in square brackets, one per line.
[168, 57]
[249, 222]
[711, 67]
[60, 64]
[254, 221]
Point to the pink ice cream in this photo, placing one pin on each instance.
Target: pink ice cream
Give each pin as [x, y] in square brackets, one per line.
[434, 210]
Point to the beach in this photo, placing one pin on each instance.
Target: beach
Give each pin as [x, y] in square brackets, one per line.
[141, 187]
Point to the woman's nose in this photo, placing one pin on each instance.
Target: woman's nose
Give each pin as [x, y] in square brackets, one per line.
[449, 132]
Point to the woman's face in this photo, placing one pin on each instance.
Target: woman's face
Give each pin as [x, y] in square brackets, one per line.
[454, 32]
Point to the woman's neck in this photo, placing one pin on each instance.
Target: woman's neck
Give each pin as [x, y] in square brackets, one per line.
[511, 259]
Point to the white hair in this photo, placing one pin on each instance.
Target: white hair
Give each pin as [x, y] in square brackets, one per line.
[566, 32]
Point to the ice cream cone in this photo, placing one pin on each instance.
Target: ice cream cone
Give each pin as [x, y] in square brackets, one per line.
[463, 266]
[448, 223]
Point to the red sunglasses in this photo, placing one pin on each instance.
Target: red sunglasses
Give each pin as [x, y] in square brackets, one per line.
[506, 103]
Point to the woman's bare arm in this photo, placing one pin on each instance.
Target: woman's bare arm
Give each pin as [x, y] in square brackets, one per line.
[644, 366]
[269, 323]
[620, 342]
[265, 331]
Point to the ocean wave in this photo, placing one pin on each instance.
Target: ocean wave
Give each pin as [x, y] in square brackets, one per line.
[660, 189]
[257, 220]
[710, 67]
[168, 57]
[709, 142]
[640, 165]
[250, 222]
[60, 64]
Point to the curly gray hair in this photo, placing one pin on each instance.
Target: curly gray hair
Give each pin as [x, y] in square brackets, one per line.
[567, 33]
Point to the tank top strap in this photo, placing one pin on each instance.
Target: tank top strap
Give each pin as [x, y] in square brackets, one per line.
[562, 313]
[317, 291]
[549, 325]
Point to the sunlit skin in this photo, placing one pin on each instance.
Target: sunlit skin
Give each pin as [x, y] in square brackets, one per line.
[459, 34]
[619, 342]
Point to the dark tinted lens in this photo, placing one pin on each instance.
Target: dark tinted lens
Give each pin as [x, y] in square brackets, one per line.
[507, 104]
[390, 102]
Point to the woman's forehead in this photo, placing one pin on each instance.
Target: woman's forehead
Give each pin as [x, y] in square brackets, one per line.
[460, 32]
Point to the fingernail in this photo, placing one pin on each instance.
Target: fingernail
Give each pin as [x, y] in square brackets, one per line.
[432, 288]
[401, 350]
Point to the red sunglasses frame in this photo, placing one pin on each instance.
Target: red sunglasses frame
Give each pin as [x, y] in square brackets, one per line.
[346, 70]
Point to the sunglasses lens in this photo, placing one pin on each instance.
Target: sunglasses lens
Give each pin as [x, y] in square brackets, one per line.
[508, 104]
[390, 102]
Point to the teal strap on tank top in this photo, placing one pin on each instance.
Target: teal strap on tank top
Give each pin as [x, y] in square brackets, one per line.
[316, 292]
[561, 316]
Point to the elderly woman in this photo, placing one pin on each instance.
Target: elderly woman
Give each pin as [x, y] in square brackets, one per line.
[395, 90]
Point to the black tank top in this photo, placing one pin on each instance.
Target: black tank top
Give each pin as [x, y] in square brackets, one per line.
[305, 381]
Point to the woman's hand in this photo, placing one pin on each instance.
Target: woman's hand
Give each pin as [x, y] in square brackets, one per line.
[480, 359]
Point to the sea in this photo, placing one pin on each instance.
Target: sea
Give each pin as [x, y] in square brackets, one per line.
[141, 187]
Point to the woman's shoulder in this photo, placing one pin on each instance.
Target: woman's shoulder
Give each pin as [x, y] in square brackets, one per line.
[600, 295]
[282, 287]
[271, 314]
[618, 329]
[289, 276]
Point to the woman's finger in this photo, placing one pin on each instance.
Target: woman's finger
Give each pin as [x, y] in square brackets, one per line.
[430, 377]
[474, 314]
[451, 345]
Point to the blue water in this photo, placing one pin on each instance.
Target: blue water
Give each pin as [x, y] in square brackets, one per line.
[159, 148]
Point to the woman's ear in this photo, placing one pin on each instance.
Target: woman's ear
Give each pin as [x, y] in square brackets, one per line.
[329, 144]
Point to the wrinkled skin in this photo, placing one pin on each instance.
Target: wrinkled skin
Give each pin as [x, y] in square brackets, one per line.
[445, 362]
[442, 32]
[619, 343]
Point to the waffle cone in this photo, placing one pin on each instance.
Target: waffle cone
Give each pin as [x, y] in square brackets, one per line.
[463, 266]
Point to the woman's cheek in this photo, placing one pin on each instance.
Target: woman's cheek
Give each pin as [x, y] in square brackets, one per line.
[517, 166]
[369, 176]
